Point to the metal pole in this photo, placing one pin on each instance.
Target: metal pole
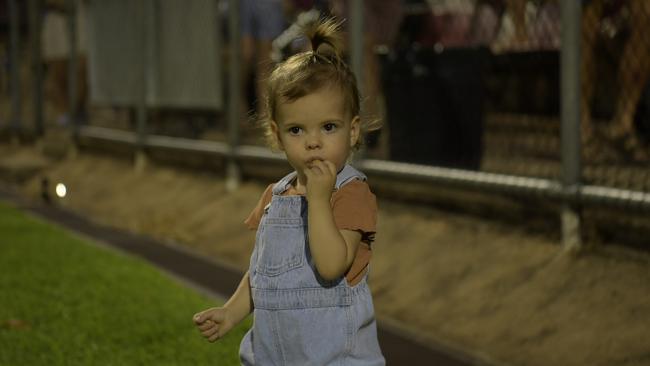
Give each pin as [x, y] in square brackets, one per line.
[72, 68]
[233, 173]
[14, 63]
[355, 9]
[35, 25]
[570, 131]
[356, 41]
[141, 107]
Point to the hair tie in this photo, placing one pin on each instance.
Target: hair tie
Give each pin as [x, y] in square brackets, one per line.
[317, 56]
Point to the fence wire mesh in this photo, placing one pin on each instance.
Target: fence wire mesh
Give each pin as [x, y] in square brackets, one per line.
[615, 101]
[163, 52]
[471, 84]
[477, 82]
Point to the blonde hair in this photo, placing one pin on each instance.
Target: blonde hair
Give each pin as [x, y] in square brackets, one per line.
[309, 71]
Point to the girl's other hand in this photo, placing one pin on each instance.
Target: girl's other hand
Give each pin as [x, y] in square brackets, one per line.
[321, 177]
[213, 323]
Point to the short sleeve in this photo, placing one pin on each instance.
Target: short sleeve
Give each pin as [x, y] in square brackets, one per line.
[253, 220]
[355, 208]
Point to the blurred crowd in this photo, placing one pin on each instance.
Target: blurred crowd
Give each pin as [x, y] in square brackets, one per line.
[392, 27]
[502, 27]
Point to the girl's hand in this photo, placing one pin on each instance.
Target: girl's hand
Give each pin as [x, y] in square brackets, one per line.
[213, 323]
[321, 177]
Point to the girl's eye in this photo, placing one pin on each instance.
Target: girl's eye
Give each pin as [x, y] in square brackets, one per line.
[329, 127]
[294, 130]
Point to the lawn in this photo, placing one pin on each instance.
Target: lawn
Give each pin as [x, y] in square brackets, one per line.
[66, 301]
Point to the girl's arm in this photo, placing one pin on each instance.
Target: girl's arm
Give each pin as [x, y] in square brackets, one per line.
[240, 303]
[214, 323]
[333, 250]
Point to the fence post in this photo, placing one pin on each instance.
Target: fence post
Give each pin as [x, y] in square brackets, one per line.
[570, 118]
[14, 63]
[355, 39]
[233, 170]
[35, 27]
[140, 162]
[72, 69]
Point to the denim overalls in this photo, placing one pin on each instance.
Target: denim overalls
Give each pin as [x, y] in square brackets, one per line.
[301, 319]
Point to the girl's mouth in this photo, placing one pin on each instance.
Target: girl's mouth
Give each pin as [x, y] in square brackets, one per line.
[311, 161]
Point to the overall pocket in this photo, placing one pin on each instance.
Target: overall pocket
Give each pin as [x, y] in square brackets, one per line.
[283, 246]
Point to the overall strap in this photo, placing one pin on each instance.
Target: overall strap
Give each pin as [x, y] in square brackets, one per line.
[347, 174]
[283, 184]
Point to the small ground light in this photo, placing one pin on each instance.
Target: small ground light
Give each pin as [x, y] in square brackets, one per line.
[61, 190]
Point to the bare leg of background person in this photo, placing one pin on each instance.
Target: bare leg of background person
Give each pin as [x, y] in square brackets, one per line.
[247, 56]
[370, 90]
[633, 73]
[256, 58]
[263, 68]
[381, 24]
[592, 13]
[57, 89]
[372, 100]
[517, 10]
[262, 21]
[82, 89]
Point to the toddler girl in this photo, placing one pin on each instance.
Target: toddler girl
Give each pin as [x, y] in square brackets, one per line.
[306, 284]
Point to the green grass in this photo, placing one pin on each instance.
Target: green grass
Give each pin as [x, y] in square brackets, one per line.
[64, 301]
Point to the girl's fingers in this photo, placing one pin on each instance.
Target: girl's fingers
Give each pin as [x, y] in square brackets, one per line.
[330, 167]
[198, 318]
[214, 337]
[317, 167]
[326, 168]
[207, 325]
[308, 175]
[210, 332]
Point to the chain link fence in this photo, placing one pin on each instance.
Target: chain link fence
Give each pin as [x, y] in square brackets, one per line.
[464, 84]
[616, 93]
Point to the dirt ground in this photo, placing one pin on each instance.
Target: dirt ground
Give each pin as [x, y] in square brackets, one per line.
[497, 292]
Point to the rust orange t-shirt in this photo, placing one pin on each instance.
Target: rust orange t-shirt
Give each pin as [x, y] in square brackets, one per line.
[354, 208]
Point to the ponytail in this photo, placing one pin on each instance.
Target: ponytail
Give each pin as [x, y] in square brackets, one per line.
[325, 37]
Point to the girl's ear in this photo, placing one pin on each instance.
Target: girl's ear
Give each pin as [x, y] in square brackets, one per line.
[276, 133]
[355, 130]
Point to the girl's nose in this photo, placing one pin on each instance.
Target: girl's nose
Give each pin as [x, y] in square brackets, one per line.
[313, 142]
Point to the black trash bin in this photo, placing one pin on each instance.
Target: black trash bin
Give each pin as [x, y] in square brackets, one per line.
[434, 105]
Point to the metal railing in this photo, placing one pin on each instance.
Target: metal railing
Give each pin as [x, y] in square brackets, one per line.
[578, 195]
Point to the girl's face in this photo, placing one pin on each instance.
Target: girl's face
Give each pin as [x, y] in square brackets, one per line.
[316, 127]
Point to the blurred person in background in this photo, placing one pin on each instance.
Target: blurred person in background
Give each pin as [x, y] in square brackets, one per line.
[607, 18]
[261, 22]
[526, 25]
[299, 13]
[56, 54]
[433, 82]
[530, 24]
[382, 19]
